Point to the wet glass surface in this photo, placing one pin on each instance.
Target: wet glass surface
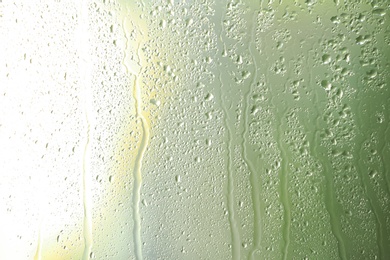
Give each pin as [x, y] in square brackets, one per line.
[195, 129]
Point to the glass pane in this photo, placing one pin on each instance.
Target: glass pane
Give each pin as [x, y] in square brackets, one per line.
[195, 129]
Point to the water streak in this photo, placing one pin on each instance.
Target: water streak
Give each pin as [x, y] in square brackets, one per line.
[315, 144]
[234, 231]
[235, 235]
[286, 229]
[137, 173]
[330, 200]
[87, 223]
[369, 192]
[254, 178]
[38, 253]
[85, 72]
[386, 162]
[372, 201]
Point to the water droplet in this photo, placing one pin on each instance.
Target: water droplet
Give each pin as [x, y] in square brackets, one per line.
[163, 24]
[373, 173]
[245, 74]
[155, 102]
[209, 97]
[189, 22]
[145, 203]
[372, 73]
[326, 58]
[379, 11]
[326, 85]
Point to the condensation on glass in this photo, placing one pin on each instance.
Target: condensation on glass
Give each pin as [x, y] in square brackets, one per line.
[195, 129]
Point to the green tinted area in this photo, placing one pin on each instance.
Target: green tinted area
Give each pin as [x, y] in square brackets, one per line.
[278, 131]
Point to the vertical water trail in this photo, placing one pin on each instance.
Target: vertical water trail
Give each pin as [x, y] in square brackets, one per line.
[286, 229]
[230, 185]
[85, 72]
[38, 252]
[135, 69]
[369, 192]
[87, 226]
[138, 163]
[234, 231]
[335, 221]
[386, 162]
[330, 200]
[386, 166]
[254, 178]
[379, 221]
